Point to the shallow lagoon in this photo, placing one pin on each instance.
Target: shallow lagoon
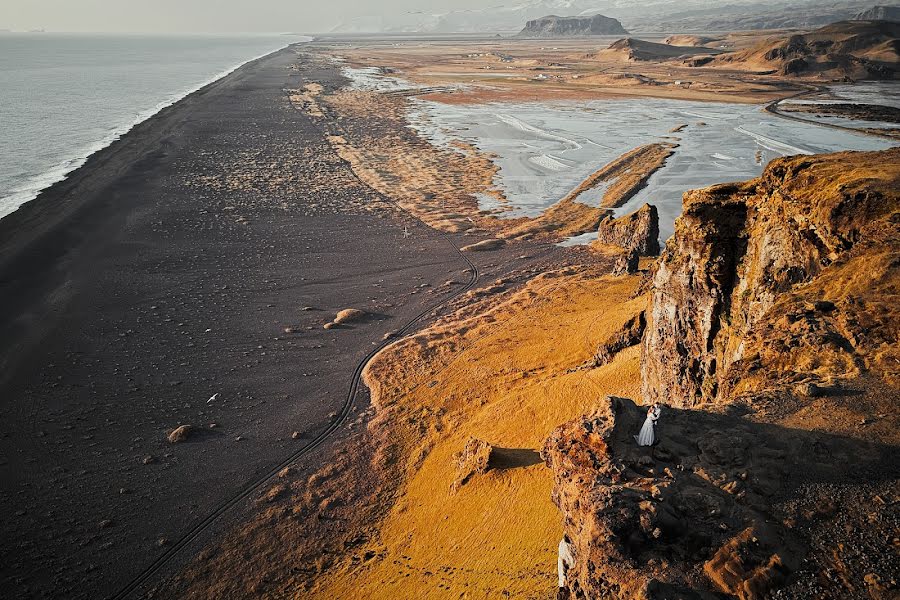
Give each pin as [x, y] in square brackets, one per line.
[544, 150]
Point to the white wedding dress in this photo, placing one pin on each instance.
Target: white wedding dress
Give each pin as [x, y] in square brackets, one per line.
[647, 435]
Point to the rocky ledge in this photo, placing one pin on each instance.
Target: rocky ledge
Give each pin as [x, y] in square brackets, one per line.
[774, 306]
[693, 517]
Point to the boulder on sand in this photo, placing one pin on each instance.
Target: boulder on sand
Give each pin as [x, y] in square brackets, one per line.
[348, 315]
[180, 434]
[491, 244]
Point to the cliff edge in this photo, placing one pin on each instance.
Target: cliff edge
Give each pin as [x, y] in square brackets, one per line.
[787, 279]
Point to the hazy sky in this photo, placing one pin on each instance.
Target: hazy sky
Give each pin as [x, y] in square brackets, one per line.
[202, 15]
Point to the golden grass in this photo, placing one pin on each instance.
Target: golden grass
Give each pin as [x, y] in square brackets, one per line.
[503, 375]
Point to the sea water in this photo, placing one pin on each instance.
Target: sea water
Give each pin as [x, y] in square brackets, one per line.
[65, 96]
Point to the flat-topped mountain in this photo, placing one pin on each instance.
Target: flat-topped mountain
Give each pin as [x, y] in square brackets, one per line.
[854, 49]
[553, 26]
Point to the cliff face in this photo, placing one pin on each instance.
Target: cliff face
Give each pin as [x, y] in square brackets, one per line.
[781, 280]
[553, 26]
[687, 520]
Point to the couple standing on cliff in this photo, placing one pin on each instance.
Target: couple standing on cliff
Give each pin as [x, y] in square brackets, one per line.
[647, 435]
[566, 558]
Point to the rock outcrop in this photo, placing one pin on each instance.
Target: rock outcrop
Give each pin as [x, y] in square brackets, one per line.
[181, 434]
[639, 230]
[627, 263]
[628, 335]
[474, 459]
[785, 279]
[553, 26]
[644, 522]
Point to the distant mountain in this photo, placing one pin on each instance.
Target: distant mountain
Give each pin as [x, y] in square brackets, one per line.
[690, 40]
[636, 50]
[553, 26]
[854, 49]
[634, 15]
[508, 18]
[879, 13]
[793, 14]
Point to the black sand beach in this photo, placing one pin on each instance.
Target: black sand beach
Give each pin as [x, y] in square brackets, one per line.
[183, 276]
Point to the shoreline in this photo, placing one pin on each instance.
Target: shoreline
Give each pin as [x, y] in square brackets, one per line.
[61, 171]
[175, 265]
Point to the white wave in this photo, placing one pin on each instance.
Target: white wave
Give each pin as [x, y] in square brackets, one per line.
[772, 144]
[525, 127]
[548, 162]
[34, 186]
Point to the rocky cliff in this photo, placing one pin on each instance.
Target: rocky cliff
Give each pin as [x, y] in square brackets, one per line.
[695, 517]
[788, 279]
[553, 26]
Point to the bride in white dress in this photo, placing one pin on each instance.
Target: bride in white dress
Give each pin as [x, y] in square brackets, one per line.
[647, 435]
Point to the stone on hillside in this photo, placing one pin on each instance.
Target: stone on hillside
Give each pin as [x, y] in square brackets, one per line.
[639, 230]
[474, 459]
[627, 263]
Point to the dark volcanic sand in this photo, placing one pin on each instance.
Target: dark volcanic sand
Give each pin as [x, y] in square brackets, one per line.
[165, 271]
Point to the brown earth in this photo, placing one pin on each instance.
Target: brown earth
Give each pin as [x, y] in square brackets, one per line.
[852, 49]
[641, 50]
[529, 70]
[691, 40]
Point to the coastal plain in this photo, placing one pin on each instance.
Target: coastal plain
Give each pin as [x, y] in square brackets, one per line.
[190, 276]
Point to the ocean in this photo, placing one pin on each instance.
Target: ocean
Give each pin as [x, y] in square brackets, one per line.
[65, 96]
